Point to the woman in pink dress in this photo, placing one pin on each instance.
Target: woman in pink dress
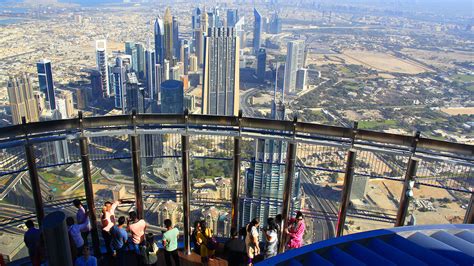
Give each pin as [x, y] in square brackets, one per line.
[295, 231]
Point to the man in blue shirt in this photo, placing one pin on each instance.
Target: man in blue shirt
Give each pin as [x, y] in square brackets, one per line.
[86, 259]
[32, 240]
[119, 239]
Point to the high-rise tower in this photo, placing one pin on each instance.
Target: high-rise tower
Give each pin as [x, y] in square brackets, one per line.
[22, 101]
[232, 17]
[168, 25]
[159, 41]
[101, 59]
[261, 64]
[294, 61]
[176, 42]
[46, 85]
[257, 30]
[220, 90]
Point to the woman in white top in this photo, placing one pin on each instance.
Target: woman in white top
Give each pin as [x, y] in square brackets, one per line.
[271, 235]
[251, 241]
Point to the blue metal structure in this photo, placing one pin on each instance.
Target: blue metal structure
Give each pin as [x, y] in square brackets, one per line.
[409, 245]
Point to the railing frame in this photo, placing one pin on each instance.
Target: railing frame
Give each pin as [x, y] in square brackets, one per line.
[34, 177]
[346, 192]
[87, 176]
[236, 179]
[288, 188]
[407, 187]
[137, 173]
[186, 191]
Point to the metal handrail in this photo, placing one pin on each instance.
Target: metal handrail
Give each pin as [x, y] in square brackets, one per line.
[124, 121]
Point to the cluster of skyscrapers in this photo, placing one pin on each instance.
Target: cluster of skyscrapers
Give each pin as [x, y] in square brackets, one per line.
[154, 77]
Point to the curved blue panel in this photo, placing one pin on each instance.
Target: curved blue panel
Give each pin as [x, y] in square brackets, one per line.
[455, 242]
[441, 248]
[466, 235]
[394, 254]
[367, 256]
[446, 244]
[418, 251]
[314, 259]
[339, 257]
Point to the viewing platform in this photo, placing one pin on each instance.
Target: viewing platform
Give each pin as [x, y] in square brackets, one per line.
[201, 167]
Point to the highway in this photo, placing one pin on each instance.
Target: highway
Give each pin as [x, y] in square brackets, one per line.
[323, 227]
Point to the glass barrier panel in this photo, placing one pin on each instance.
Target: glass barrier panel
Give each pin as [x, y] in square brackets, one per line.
[211, 181]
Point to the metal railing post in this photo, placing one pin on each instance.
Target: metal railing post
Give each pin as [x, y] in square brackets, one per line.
[469, 217]
[407, 191]
[288, 189]
[346, 192]
[34, 178]
[186, 189]
[137, 177]
[89, 191]
[236, 179]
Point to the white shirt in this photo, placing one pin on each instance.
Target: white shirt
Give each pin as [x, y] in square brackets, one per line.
[110, 217]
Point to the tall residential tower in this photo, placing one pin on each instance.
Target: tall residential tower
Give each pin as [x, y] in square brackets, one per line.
[220, 90]
[46, 85]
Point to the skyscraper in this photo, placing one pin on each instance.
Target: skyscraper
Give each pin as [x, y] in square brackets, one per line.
[232, 17]
[22, 101]
[67, 104]
[141, 60]
[168, 37]
[301, 75]
[46, 85]
[96, 84]
[119, 83]
[220, 90]
[176, 42]
[150, 74]
[172, 97]
[257, 30]
[199, 46]
[102, 66]
[135, 94]
[239, 30]
[185, 56]
[159, 41]
[294, 61]
[196, 19]
[275, 24]
[261, 64]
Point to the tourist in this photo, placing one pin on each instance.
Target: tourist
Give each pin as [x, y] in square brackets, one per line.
[118, 241]
[81, 218]
[137, 229]
[196, 245]
[235, 249]
[271, 235]
[170, 242]
[76, 240]
[108, 221]
[32, 239]
[279, 224]
[295, 231]
[149, 251]
[86, 259]
[204, 237]
[251, 241]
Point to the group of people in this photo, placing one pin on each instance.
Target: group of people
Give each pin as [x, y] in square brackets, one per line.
[128, 236]
[244, 247]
